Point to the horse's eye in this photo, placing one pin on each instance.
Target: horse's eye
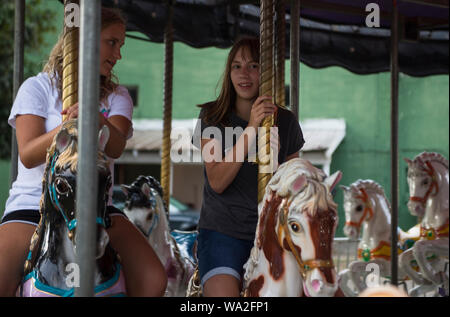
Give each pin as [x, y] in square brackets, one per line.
[62, 186]
[425, 181]
[359, 208]
[150, 216]
[295, 227]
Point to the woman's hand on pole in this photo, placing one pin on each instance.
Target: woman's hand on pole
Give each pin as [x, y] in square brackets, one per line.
[71, 112]
[261, 108]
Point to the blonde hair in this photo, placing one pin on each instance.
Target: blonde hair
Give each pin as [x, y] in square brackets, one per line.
[54, 64]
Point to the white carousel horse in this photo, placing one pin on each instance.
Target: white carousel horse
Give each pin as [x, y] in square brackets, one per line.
[292, 253]
[145, 207]
[428, 190]
[366, 206]
[49, 266]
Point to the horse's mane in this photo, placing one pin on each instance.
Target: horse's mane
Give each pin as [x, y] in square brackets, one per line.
[153, 183]
[315, 192]
[69, 157]
[312, 198]
[371, 187]
[423, 157]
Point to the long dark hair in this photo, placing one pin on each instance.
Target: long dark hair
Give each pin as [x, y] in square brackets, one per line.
[217, 112]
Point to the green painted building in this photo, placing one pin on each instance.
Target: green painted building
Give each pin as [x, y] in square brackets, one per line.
[333, 92]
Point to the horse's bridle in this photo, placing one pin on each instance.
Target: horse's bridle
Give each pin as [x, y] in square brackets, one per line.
[368, 210]
[154, 223]
[71, 224]
[304, 266]
[434, 184]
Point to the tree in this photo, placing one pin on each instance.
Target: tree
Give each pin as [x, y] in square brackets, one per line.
[38, 20]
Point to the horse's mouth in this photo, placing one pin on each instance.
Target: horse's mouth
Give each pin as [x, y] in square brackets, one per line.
[415, 208]
[317, 287]
[351, 232]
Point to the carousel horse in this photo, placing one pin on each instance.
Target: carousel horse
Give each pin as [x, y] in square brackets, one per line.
[49, 268]
[428, 189]
[145, 207]
[366, 206]
[292, 252]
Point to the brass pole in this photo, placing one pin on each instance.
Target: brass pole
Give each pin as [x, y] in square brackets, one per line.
[70, 61]
[280, 95]
[167, 125]
[265, 88]
[295, 57]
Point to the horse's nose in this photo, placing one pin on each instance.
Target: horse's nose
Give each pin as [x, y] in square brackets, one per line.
[317, 284]
[415, 208]
[323, 284]
[350, 232]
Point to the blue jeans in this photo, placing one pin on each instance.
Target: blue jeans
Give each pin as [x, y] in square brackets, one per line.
[219, 253]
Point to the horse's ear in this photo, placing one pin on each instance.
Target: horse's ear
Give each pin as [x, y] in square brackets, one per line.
[145, 188]
[103, 137]
[125, 189]
[408, 161]
[344, 188]
[298, 184]
[331, 181]
[62, 140]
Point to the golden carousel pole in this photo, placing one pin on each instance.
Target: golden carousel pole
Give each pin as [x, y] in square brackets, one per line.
[280, 94]
[70, 62]
[265, 88]
[167, 125]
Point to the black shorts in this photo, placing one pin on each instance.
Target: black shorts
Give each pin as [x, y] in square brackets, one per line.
[32, 217]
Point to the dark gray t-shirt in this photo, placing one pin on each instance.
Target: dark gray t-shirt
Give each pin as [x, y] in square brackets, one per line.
[235, 211]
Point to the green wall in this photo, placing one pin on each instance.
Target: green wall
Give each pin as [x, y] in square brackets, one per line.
[195, 75]
[333, 92]
[4, 184]
[364, 102]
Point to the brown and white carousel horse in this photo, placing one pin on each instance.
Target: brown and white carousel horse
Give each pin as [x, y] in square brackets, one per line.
[428, 190]
[292, 252]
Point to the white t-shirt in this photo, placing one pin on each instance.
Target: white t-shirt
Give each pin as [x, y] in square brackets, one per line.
[39, 97]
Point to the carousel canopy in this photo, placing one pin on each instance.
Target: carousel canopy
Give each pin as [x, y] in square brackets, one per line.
[333, 32]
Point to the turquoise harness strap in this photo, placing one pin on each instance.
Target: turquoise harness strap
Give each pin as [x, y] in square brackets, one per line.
[51, 187]
[73, 223]
[155, 221]
[52, 191]
[70, 293]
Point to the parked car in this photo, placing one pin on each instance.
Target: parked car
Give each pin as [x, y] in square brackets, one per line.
[181, 216]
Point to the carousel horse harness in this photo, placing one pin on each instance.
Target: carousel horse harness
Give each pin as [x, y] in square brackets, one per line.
[304, 266]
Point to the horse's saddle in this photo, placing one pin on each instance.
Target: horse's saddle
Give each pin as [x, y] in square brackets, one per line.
[186, 241]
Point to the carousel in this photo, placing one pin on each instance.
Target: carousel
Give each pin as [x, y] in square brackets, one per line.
[413, 261]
